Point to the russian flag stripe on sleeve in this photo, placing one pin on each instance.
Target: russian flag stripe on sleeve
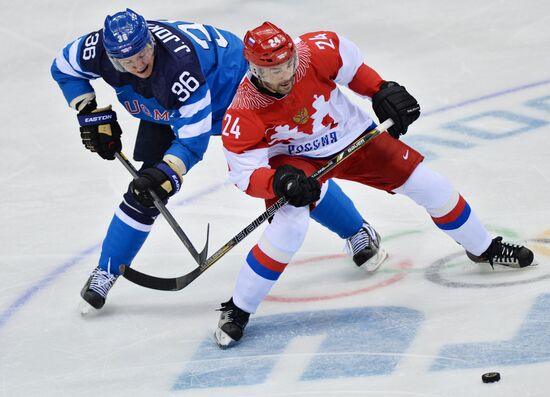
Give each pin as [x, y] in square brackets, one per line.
[456, 217]
[263, 265]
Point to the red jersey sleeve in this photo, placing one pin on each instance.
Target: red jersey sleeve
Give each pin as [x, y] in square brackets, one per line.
[246, 151]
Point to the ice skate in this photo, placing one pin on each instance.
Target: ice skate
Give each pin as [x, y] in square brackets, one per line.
[231, 325]
[505, 254]
[365, 248]
[96, 288]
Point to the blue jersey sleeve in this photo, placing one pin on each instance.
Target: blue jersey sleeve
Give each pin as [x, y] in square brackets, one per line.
[192, 125]
[197, 69]
[68, 70]
[186, 92]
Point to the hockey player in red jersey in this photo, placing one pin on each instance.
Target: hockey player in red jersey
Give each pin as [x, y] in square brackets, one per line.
[288, 117]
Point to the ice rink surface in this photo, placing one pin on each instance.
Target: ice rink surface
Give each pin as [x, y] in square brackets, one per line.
[428, 323]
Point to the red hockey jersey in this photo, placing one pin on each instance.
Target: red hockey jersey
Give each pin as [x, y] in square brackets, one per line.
[316, 119]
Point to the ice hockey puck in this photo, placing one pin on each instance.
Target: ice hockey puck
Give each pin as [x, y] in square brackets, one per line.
[490, 377]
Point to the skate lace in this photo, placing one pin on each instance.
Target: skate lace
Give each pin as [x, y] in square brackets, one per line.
[358, 241]
[233, 314]
[503, 252]
[102, 281]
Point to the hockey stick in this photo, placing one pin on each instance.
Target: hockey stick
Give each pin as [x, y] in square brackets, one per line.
[178, 283]
[200, 258]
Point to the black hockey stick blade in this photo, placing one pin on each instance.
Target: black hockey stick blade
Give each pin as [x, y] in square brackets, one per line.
[147, 281]
[167, 284]
[160, 283]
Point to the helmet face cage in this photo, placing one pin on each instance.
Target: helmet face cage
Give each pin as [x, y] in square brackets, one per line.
[125, 34]
[150, 46]
[276, 73]
[271, 53]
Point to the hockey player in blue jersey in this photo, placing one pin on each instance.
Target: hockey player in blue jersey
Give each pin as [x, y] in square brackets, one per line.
[178, 78]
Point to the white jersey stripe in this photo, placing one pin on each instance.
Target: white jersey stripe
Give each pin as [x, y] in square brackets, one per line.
[195, 129]
[70, 66]
[192, 109]
[73, 53]
[64, 66]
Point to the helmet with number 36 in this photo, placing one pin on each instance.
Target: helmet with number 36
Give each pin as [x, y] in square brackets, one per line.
[125, 34]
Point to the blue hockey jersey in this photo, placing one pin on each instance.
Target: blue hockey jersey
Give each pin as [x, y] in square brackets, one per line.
[196, 72]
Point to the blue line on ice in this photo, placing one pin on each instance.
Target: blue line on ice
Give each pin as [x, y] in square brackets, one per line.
[486, 97]
[43, 283]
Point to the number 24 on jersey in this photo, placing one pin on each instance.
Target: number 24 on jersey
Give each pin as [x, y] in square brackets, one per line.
[231, 128]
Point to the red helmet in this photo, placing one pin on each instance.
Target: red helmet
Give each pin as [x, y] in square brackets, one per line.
[267, 45]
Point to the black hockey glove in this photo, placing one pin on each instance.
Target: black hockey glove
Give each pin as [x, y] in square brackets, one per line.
[161, 178]
[393, 101]
[99, 130]
[293, 184]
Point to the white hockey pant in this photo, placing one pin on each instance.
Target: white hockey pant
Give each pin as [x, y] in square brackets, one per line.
[447, 208]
